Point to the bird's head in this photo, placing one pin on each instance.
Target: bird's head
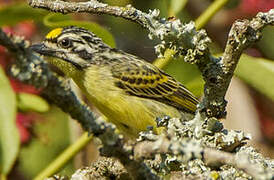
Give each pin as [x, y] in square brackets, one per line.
[70, 47]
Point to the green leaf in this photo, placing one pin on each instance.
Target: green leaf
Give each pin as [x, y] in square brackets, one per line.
[9, 137]
[31, 102]
[55, 20]
[177, 5]
[12, 14]
[265, 44]
[257, 72]
[52, 136]
[187, 74]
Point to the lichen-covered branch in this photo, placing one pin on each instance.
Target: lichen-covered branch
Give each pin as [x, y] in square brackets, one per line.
[213, 149]
[187, 151]
[173, 33]
[176, 153]
[93, 6]
[103, 168]
[218, 73]
[30, 69]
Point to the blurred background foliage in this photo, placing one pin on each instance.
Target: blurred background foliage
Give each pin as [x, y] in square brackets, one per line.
[33, 132]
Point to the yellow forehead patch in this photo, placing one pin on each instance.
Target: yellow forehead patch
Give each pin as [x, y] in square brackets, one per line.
[54, 33]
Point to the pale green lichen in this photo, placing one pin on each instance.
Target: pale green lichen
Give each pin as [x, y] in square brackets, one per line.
[31, 69]
[184, 39]
[186, 150]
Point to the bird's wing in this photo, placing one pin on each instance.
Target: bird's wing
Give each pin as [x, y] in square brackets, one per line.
[143, 79]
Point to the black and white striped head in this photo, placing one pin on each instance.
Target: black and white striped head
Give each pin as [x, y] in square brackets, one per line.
[72, 44]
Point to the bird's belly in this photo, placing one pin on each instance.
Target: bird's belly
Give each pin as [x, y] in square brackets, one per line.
[131, 114]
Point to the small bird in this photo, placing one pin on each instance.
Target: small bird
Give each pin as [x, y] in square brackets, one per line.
[127, 90]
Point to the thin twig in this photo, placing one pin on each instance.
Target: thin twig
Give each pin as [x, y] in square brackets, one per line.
[94, 7]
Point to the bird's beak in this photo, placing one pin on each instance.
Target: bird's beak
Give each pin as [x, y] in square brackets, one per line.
[45, 51]
[42, 49]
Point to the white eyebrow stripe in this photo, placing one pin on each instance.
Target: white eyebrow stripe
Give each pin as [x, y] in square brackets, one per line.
[70, 35]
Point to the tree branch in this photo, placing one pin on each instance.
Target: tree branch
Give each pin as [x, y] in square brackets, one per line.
[218, 73]
[212, 157]
[186, 150]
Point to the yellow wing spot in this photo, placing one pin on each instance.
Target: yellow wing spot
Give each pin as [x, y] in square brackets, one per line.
[54, 33]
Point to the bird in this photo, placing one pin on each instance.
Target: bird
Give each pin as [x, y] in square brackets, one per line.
[127, 90]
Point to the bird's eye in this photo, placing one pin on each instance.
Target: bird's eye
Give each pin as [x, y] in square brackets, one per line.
[65, 43]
